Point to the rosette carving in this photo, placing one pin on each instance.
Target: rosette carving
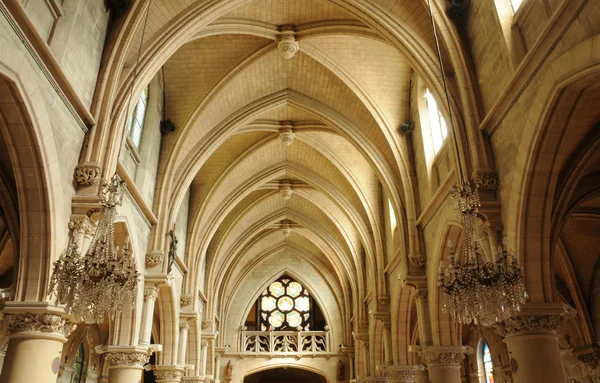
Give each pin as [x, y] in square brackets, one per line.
[127, 358]
[45, 323]
[530, 323]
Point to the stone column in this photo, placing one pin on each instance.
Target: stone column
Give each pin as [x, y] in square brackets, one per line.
[533, 348]
[168, 374]
[402, 374]
[125, 366]
[184, 327]
[350, 352]
[444, 362]
[150, 295]
[219, 351]
[204, 352]
[34, 347]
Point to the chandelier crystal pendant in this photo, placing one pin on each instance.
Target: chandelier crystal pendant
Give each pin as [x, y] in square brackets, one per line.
[479, 286]
[105, 279]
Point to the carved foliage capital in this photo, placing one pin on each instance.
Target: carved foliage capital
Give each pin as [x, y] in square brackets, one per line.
[186, 300]
[395, 373]
[81, 225]
[442, 358]
[184, 325]
[44, 323]
[87, 174]
[168, 374]
[530, 324]
[151, 293]
[126, 358]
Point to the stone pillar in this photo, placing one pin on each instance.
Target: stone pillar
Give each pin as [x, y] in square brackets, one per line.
[219, 351]
[125, 364]
[168, 374]
[444, 362]
[423, 316]
[204, 352]
[533, 348]
[184, 327]
[34, 347]
[402, 374]
[150, 295]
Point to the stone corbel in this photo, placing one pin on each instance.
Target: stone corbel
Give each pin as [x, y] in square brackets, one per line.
[417, 260]
[186, 300]
[443, 355]
[154, 258]
[486, 181]
[87, 173]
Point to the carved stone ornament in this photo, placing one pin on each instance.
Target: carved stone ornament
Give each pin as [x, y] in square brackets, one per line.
[186, 300]
[401, 372]
[184, 325]
[168, 374]
[383, 300]
[417, 260]
[154, 258]
[288, 47]
[87, 174]
[530, 324]
[285, 190]
[442, 358]
[591, 359]
[45, 323]
[486, 181]
[126, 358]
[151, 292]
[287, 136]
[81, 225]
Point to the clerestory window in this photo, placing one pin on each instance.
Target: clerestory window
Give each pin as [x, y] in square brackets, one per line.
[135, 127]
[437, 125]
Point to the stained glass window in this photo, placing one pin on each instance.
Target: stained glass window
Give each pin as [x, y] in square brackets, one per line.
[78, 366]
[487, 364]
[285, 305]
[437, 124]
[136, 121]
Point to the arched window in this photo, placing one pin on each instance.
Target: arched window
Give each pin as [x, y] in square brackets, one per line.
[486, 360]
[78, 366]
[437, 124]
[136, 122]
[515, 4]
[285, 305]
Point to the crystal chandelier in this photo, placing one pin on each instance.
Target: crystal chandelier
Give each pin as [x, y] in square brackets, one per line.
[480, 285]
[105, 279]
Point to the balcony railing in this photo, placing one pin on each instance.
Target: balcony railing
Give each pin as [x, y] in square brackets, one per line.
[285, 342]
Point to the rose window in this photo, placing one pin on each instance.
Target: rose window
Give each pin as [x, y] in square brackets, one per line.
[285, 305]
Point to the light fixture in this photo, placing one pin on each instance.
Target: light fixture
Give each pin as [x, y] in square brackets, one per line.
[479, 286]
[105, 279]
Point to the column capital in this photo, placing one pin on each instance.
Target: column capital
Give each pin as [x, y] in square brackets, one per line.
[535, 319]
[51, 324]
[590, 356]
[124, 356]
[184, 324]
[87, 173]
[151, 292]
[444, 355]
[168, 373]
[397, 373]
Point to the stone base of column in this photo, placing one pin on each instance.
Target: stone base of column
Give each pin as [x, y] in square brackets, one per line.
[402, 374]
[193, 379]
[168, 374]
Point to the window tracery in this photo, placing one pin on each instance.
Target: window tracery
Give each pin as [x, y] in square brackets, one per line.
[284, 305]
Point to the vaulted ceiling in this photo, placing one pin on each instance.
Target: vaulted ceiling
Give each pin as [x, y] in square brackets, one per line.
[234, 98]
